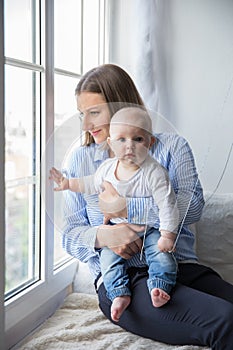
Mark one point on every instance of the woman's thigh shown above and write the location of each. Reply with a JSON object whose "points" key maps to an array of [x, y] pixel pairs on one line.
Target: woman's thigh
{"points": [[190, 317], [205, 279]]}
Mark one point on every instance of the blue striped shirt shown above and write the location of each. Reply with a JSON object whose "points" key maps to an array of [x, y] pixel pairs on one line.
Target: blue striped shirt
{"points": [[82, 216]]}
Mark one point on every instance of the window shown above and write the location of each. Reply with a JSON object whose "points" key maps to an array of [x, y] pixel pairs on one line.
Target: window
{"points": [[22, 116], [78, 47], [2, 175], [22, 144], [48, 46]]}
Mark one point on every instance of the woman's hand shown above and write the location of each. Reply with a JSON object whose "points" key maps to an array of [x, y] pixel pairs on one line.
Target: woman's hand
{"points": [[111, 203], [122, 238]]}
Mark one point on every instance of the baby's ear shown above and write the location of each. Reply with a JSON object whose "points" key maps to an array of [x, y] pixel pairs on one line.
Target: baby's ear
{"points": [[152, 140]]}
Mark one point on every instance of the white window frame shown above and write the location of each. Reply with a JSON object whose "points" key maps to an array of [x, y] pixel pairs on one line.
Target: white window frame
{"points": [[2, 183], [23, 312]]}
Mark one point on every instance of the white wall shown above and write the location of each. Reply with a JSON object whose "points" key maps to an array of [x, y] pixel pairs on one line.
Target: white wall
{"points": [[189, 50]]}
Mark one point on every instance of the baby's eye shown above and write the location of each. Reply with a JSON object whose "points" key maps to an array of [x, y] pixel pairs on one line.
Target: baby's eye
{"points": [[138, 139], [81, 115], [121, 139]]}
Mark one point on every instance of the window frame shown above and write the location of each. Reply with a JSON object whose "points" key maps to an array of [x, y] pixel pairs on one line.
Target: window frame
{"points": [[2, 181], [43, 297]]}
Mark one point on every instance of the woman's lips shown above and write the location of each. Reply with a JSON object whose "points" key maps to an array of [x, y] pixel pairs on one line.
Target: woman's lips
{"points": [[94, 133]]}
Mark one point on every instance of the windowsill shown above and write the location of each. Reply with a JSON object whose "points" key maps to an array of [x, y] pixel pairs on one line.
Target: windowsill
{"points": [[32, 307]]}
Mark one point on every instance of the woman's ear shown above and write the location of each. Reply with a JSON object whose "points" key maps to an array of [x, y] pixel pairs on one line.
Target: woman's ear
{"points": [[109, 141]]}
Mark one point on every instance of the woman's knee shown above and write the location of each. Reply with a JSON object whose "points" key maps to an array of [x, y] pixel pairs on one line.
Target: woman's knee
{"points": [[222, 330], [226, 312]]}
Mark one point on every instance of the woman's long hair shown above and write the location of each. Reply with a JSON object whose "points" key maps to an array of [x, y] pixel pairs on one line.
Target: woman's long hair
{"points": [[114, 84]]}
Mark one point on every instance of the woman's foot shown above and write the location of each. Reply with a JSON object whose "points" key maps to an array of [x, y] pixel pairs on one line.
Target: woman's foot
{"points": [[159, 297], [119, 305]]}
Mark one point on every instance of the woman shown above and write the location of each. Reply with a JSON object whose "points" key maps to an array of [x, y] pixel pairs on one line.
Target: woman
{"points": [[201, 308]]}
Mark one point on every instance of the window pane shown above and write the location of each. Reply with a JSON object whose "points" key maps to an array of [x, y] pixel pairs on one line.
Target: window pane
{"points": [[21, 30], [90, 34], [64, 98], [67, 35], [21, 238], [67, 133], [21, 175]]}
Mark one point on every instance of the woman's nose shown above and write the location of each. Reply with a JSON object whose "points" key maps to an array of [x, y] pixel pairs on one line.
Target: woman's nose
{"points": [[86, 123]]}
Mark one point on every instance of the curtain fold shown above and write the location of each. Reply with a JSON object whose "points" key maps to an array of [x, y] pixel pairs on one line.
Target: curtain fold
{"points": [[146, 54]]}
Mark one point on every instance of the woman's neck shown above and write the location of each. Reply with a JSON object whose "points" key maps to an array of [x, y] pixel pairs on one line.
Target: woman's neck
{"points": [[111, 154]]}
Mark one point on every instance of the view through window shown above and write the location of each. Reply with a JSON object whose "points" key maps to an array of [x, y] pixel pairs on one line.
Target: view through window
{"points": [[77, 46], [22, 147]]}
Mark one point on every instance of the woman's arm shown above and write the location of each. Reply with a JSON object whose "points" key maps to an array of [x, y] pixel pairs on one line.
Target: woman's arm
{"points": [[122, 238], [81, 240], [184, 177], [83, 232]]}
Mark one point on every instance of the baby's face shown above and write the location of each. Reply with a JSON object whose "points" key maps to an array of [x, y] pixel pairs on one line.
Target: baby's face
{"points": [[130, 144]]}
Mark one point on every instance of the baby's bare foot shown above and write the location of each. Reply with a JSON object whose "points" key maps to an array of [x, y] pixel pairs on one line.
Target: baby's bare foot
{"points": [[119, 305], [159, 297]]}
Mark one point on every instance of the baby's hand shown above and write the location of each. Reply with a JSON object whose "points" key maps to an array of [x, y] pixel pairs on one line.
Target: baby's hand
{"points": [[165, 244], [59, 179], [106, 220]]}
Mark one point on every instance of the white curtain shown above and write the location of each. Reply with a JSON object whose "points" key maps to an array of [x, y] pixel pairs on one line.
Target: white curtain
{"points": [[146, 53], [180, 55]]}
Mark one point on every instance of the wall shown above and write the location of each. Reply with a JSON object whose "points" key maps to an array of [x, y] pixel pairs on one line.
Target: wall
{"points": [[188, 47]]}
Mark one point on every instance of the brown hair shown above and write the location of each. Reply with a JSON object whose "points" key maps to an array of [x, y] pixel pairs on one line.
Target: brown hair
{"points": [[114, 84]]}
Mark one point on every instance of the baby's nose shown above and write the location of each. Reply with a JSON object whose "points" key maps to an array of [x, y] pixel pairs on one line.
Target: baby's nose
{"points": [[130, 143]]}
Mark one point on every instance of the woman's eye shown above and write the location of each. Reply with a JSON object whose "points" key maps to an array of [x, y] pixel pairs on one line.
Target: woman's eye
{"points": [[94, 113]]}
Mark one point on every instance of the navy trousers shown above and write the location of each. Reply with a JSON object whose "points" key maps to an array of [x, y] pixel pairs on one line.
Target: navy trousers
{"points": [[200, 311]]}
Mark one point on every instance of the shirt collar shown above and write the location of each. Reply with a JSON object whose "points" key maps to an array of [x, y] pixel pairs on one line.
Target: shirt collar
{"points": [[101, 152]]}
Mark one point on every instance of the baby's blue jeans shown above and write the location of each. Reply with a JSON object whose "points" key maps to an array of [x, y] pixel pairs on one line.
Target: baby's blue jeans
{"points": [[162, 268]]}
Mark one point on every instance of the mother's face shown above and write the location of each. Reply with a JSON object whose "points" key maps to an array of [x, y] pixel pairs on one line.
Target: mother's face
{"points": [[95, 115]]}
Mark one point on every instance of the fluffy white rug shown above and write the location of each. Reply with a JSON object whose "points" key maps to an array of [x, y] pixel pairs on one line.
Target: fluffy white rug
{"points": [[80, 325]]}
